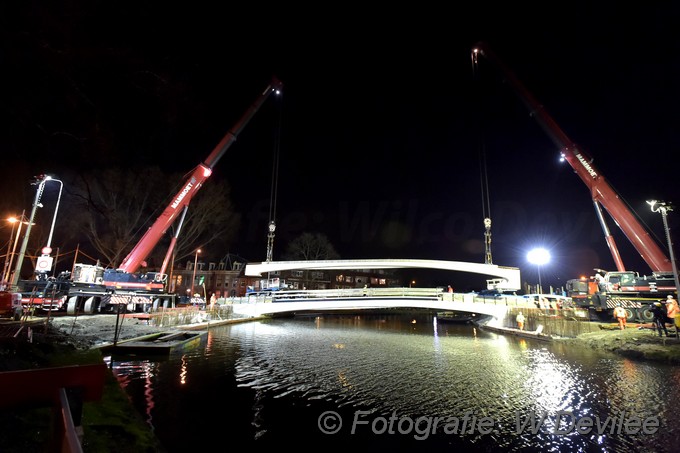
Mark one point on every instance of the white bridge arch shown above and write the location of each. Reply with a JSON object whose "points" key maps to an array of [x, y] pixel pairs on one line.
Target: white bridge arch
{"points": [[510, 277]]}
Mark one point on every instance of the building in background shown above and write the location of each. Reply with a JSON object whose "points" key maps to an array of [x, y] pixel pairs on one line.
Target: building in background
{"points": [[227, 279]]}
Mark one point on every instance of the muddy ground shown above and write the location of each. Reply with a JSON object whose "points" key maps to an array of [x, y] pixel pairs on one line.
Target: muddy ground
{"points": [[637, 341], [88, 331]]}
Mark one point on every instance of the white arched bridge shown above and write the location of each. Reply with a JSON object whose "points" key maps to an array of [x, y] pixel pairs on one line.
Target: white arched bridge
{"points": [[508, 277], [331, 300], [352, 300]]}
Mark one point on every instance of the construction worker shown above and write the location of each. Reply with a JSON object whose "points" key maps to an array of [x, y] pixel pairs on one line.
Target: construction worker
{"points": [[659, 317], [673, 313], [520, 321], [620, 315]]}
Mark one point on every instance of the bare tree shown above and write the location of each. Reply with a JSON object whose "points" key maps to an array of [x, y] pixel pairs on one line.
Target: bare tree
{"points": [[211, 220], [115, 207], [310, 246], [110, 207]]}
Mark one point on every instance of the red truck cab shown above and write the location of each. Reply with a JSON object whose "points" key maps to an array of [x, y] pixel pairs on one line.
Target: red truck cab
{"points": [[10, 305]]}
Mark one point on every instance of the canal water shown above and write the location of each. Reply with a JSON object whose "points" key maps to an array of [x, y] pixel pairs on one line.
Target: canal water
{"points": [[398, 382]]}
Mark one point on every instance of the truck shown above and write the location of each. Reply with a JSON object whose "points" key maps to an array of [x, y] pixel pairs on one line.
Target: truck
{"points": [[605, 289], [90, 289], [10, 305], [267, 286]]}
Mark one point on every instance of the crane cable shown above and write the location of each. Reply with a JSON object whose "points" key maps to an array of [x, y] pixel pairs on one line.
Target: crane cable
{"points": [[275, 172], [483, 173], [273, 195]]}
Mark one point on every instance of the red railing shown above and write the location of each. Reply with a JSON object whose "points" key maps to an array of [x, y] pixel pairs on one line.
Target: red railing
{"points": [[63, 388]]}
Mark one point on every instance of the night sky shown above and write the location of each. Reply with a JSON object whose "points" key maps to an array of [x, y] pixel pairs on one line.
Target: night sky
{"points": [[382, 118]]}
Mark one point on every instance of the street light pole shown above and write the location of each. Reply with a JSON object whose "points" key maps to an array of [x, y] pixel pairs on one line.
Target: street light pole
{"points": [[56, 209], [193, 278], [663, 208], [44, 263]]}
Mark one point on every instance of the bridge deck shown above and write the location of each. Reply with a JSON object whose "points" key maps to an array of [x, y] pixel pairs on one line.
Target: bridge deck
{"points": [[277, 302]]}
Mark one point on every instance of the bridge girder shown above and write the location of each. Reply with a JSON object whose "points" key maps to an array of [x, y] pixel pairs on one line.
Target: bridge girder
{"points": [[511, 275], [367, 303]]}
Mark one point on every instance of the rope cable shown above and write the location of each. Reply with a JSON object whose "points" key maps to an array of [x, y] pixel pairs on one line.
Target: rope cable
{"points": [[275, 166], [483, 170]]}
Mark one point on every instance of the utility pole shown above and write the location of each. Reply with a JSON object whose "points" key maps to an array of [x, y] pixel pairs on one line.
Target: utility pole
{"points": [[24, 243], [9, 259]]}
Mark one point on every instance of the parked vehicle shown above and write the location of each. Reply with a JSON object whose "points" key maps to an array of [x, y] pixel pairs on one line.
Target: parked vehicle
{"points": [[10, 305]]}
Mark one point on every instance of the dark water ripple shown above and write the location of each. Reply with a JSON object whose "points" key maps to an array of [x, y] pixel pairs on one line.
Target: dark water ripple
{"points": [[276, 378]]}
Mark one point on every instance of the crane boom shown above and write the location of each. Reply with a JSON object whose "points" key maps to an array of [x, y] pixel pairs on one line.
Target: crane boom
{"points": [[600, 190], [193, 183], [91, 288]]}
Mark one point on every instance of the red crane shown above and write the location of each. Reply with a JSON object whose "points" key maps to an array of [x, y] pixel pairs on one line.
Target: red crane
{"points": [[601, 192], [91, 288], [193, 183]]}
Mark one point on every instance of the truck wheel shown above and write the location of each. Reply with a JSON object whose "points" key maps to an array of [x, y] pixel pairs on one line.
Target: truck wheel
{"points": [[645, 314], [72, 305], [91, 305], [631, 314], [17, 314]]}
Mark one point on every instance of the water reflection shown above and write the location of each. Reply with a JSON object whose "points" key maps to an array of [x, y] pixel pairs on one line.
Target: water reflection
{"points": [[271, 380]]}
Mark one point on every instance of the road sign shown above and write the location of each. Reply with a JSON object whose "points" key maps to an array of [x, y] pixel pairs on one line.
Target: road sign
{"points": [[44, 264]]}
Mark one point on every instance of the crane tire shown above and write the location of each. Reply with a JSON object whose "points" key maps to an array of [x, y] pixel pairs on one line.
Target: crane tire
{"points": [[91, 305], [645, 314], [72, 305]]}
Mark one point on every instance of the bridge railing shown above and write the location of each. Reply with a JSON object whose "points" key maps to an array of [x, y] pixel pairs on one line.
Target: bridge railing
{"points": [[400, 292], [420, 293]]}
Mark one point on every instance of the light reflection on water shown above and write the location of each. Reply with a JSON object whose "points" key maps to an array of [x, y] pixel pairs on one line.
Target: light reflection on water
{"points": [[271, 380]]}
